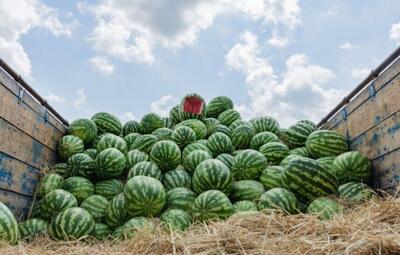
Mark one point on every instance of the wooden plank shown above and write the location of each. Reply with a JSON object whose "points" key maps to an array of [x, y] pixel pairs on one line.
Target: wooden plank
{"points": [[17, 176], [19, 145], [25, 119], [30, 101], [387, 171], [18, 204]]}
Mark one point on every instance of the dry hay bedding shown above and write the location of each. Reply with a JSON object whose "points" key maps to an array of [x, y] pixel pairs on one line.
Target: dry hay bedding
{"points": [[369, 228]]}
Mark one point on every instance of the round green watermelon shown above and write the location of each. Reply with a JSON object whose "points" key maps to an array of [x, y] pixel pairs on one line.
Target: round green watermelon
{"points": [[56, 201], [101, 231], [145, 168], [176, 219], [163, 133], [248, 165], [272, 177], [239, 122], [299, 132], [212, 204], [219, 143], [50, 182], [228, 117], [352, 166], [327, 163], [81, 164], [32, 228], [96, 205], [226, 158], [110, 163], [180, 198], [288, 158], [177, 178], [80, 187], [196, 125], [130, 127], [111, 141], [275, 152], [247, 190], [144, 143], [175, 114], [262, 138], [326, 143], [183, 136], [211, 125], [166, 154], [151, 122], [279, 199], [265, 124], [91, 152], [300, 151], [116, 214], [109, 188], [132, 226], [8, 226], [325, 208], [85, 129], [355, 192], [195, 158], [107, 123], [60, 169], [218, 105], [193, 147], [135, 156], [241, 136], [70, 145], [130, 139], [245, 206], [168, 123]]}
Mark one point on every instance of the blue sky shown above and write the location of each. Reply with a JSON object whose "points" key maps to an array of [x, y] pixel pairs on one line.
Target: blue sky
{"points": [[288, 59]]}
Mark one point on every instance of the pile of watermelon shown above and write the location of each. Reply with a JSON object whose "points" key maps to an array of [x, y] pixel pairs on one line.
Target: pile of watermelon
{"points": [[203, 162]]}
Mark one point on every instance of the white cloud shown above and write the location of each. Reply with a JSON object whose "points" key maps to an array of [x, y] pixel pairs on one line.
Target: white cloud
{"points": [[52, 98], [395, 33], [360, 73], [163, 105], [296, 93], [132, 30], [80, 98], [278, 41], [127, 116], [102, 65], [18, 17], [348, 46]]}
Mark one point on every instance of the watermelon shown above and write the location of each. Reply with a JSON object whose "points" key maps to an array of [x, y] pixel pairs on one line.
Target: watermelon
{"points": [[193, 147], [151, 122], [212, 204], [248, 165], [37, 208], [183, 136], [218, 105], [144, 143], [236, 152], [308, 180], [175, 114], [180, 198], [116, 214], [242, 135], [247, 190], [130, 139], [352, 166], [163, 133], [284, 137], [107, 123], [132, 226], [196, 125], [177, 178], [195, 158], [60, 169], [325, 208], [71, 224], [275, 152], [70, 145], [81, 164], [262, 138], [8, 225], [245, 206], [85, 129], [176, 219], [91, 152], [56, 201], [80, 187], [145, 168], [225, 158], [135, 156], [202, 141], [168, 123], [130, 127], [300, 151], [32, 228], [326, 143], [272, 177], [238, 123], [355, 192], [101, 231], [299, 132], [50, 182], [219, 143], [108, 188], [211, 125], [223, 129], [288, 158], [96, 205], [327, 163], [265, 124], [192, 106], [111, 141], [228, 117], [110, 163], [279, 198], [144, 196], [166, 154]]}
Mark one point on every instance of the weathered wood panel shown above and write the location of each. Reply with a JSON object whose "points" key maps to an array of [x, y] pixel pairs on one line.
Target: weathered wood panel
{"points": [[387, 171], [18, 204]]}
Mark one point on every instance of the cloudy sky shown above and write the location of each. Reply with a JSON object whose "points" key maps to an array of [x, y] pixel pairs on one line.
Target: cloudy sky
{"points": [[284, 58]]}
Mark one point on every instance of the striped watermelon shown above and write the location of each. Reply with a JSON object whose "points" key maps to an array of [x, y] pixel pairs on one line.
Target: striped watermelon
{"points": [[245, 206], [168, 123], [144, 196], [248, 165], [176, 219], [284, 137], [70, 145], [223, 129], [218, 105], [91, 152], [32, 228], [144, 143], [145, 168], [211, 125], [56, 201], [242, 135], [192, 106], [197, 126], [300, 151], [108, 188], [85, 129], [107, 123], [236, 152], [262, 138], [299, 132], [247, 190], [132, 226], [151, 122], [327, 163], [275, 152], [135, 156], [212, 204], [50, 182], [130, 139], [81, 164], [163, 133], [183, 136], [80, 187], [195, 158], [212, 174], [265, 123], [202, 141], [228, 117], [238, 123], [175, 114], [193, 147], [111, 141], [130, 127], [280, 199], [177, 178], [326, 143], [288, 158], [225, 158], [272, 177], [219, 143], [166, 154], [110, 163], [180, 198], [355, 192], [352, 166], [8, 225], [307, 179], [101, 231], [325, 208], [60, 169], [96, 205], [116, 214], [71, 224], [37, 208]]}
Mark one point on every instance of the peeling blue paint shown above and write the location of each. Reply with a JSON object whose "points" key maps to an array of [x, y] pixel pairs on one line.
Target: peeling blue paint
{"points": [[374, 139], [392, 130], [377, 120], [356, 142], [37, 149]]}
